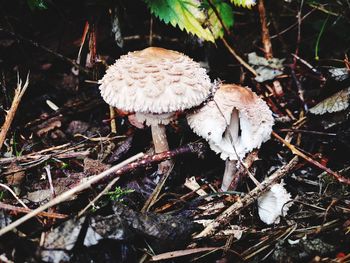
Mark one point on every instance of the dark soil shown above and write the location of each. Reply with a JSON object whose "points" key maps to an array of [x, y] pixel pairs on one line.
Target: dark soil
{"points": [[75, 141]]}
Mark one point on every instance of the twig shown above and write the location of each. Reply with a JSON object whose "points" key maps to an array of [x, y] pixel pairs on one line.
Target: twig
{"points": [[181, 253], [248, 199], [49, 177], [194, 148], [153, 197], [43, 158], [227, 45], [113, 122], [307, 131], [13, 194], [265, 35], [66, 195], [240, 60], [103, 192], [27, 210], [150, 41], [37, 45], [300, 88], [19, 92], [299, 34], [297, 152], [216, 12], [291, 26], [126, 166]]}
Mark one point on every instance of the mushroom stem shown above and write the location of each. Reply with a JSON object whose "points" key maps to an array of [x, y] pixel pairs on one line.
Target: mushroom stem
{"points": [[230, 170], [160, 145]]}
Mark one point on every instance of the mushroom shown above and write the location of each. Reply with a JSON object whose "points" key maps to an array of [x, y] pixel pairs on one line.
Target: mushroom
{"points": [[155, 83], [234, 123]]}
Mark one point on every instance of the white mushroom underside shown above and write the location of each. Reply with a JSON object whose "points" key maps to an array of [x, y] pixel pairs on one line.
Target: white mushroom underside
{"points": [[154, 119], [225, 136], [274, 203]]}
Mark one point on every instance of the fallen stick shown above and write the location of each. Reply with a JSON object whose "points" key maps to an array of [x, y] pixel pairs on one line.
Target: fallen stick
{"points": [[66, 195], [227, 45], [136, 161], [297, 152], [23, 210], [19, 92], [37, 45], [196, 148], [225, 218], [181, 253], [265, 35]]}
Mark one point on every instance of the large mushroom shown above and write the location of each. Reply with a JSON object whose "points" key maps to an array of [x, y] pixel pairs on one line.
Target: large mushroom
{"points": [[155, 83], [234, 123]]}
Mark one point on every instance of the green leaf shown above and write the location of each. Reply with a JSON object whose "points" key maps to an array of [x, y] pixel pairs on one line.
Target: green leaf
{"points": [[244, 3], [226, 14], [186, 14], [37, 4]]}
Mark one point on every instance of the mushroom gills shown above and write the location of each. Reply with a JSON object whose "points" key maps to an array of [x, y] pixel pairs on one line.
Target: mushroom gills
{"points": [[233, 131]]}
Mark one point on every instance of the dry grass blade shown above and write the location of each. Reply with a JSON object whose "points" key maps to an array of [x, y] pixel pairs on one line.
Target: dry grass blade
{"points": [[13, 194], [153, 197], [19, 92], [181, 253]]}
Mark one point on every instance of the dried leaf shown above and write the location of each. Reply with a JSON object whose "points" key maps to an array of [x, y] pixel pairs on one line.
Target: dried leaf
{"points": [[77, 127], [339, 74], [267, 69], [92, 167], [337, 102], [14, 178], [60, 240], [48, 125]]}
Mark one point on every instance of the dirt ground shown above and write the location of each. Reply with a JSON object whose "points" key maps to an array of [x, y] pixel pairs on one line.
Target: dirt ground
{"points": [[62, 135]]}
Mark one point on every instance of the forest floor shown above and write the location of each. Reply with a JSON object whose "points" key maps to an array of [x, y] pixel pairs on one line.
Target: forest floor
{"points": [[53, 208]]}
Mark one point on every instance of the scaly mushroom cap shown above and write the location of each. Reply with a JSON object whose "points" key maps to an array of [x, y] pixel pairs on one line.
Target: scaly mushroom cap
{"points": [[234, 123], [155, 81]]}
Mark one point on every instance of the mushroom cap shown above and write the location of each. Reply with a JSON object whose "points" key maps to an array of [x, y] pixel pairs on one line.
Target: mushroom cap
{"points": [[274, 203], [216, 121], [155, 80]]}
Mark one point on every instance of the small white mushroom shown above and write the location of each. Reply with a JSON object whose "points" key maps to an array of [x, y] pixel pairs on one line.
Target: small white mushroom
{"points": [[274, 204], [234, 123], [153, 83]]}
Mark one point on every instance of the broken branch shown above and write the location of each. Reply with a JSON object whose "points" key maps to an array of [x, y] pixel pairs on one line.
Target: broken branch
{"points": [[297, 152], [19, 92], [248, 199]]}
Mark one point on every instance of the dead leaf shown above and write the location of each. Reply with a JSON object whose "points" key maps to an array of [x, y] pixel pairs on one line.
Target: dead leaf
{"points": [[267, 69], [92, 167], [48, 125], [339, 74], [76, 127], [337, 102], [15, 178]]}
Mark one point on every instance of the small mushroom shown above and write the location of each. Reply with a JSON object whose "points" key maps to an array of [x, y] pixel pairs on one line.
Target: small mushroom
{"points": [[234, 123], [154, 83]]}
